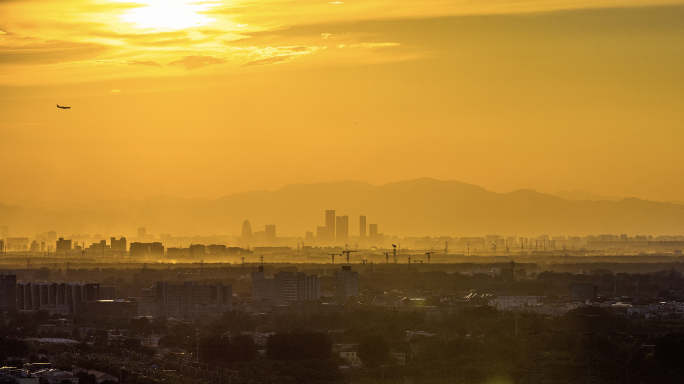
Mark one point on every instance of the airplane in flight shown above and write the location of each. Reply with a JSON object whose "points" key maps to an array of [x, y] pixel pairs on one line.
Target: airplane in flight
{"points": [[58, 106]]}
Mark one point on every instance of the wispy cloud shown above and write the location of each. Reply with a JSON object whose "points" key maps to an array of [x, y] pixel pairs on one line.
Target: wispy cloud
{"points": [[194, 62], [115, 91]]}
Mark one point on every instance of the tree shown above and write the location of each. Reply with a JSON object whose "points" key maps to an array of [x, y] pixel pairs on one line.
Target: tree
{"points": [[373, 351], [669, 351], [299, 345]]}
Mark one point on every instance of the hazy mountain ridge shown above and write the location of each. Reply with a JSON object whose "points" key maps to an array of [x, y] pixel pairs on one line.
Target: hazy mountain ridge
{"points": [[418, 207]]}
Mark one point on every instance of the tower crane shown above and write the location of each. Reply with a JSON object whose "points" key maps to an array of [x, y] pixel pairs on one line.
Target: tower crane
{"points": [[394, 252], [428, 255], [387, 257], [348, 252], [333, 256]]}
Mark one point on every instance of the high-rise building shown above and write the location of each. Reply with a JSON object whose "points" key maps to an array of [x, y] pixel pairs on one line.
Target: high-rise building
{"points": [[246, 230], [321, 234], [146, 249], [346, 283], [51, 237], [192, 300], [362, 227], [118, 245], [285, 287], [263, 288], [35, 247], [8, 292], [342, 229], [330, 226], [270, 231], [63, 246], [309, 287], [142, 234], [373, 232]]}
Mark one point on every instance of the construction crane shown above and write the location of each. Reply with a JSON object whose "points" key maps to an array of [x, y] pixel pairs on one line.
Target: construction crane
{"points": [[348, 252], [428, 255], [394, 253], [386, 256], [333, 256]]}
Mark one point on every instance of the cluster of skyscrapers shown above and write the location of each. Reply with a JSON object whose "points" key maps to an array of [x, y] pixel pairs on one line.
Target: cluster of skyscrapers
{"points": [[336, 231]]}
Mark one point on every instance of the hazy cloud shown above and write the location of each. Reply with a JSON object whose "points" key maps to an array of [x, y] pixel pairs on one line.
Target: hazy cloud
{"points": [[115, 91], [270, 60], [196, 61]]}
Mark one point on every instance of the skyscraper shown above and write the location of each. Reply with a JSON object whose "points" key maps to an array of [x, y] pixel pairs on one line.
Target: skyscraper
{"points": [[142, 234], [270, 231], [346, 283], [330, 225], [362, 227], [246, 229], [372, 231], [342, 229], [51, 237]]}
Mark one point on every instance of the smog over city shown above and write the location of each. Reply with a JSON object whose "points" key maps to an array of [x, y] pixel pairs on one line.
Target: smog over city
{"points": [[392, 192]]}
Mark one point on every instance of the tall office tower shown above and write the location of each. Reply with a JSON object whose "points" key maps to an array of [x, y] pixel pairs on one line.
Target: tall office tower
{"points": [[362, 227], [346, 283], [5, 230], [63, 246], [246, 229], [373, 232], [321, 233], [142, 233], [330, 226], [35, 247], [8, 292], [51, 237], [270, 231], [342, 229]]}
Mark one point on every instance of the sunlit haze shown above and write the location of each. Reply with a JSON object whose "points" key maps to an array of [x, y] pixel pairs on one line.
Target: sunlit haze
{"points": [[205, 99]]}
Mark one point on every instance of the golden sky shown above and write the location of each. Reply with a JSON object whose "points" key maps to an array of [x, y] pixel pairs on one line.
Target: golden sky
{"points": [[207, 98]]}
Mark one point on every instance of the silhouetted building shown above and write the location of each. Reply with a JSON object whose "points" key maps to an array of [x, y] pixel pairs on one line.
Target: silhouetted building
{"points": [[118, 245], [342, 229], [192, 300], [55, 298], [330, 226], [285, 287], [362, 227], [146, 249], [217, 249], [8, 292], [262, 287], [373, 232], [63, 246], [198, 250], [142, 233], [246, 230], [346, 283], [270, 231], [35, 247], [51, 237]]}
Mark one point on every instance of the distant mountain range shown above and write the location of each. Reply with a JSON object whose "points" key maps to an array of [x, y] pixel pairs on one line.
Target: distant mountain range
{"points": [[418, 207]]}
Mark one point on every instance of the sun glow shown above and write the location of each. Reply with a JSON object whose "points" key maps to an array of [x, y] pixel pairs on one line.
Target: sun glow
{"points": [[169, 14]]}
